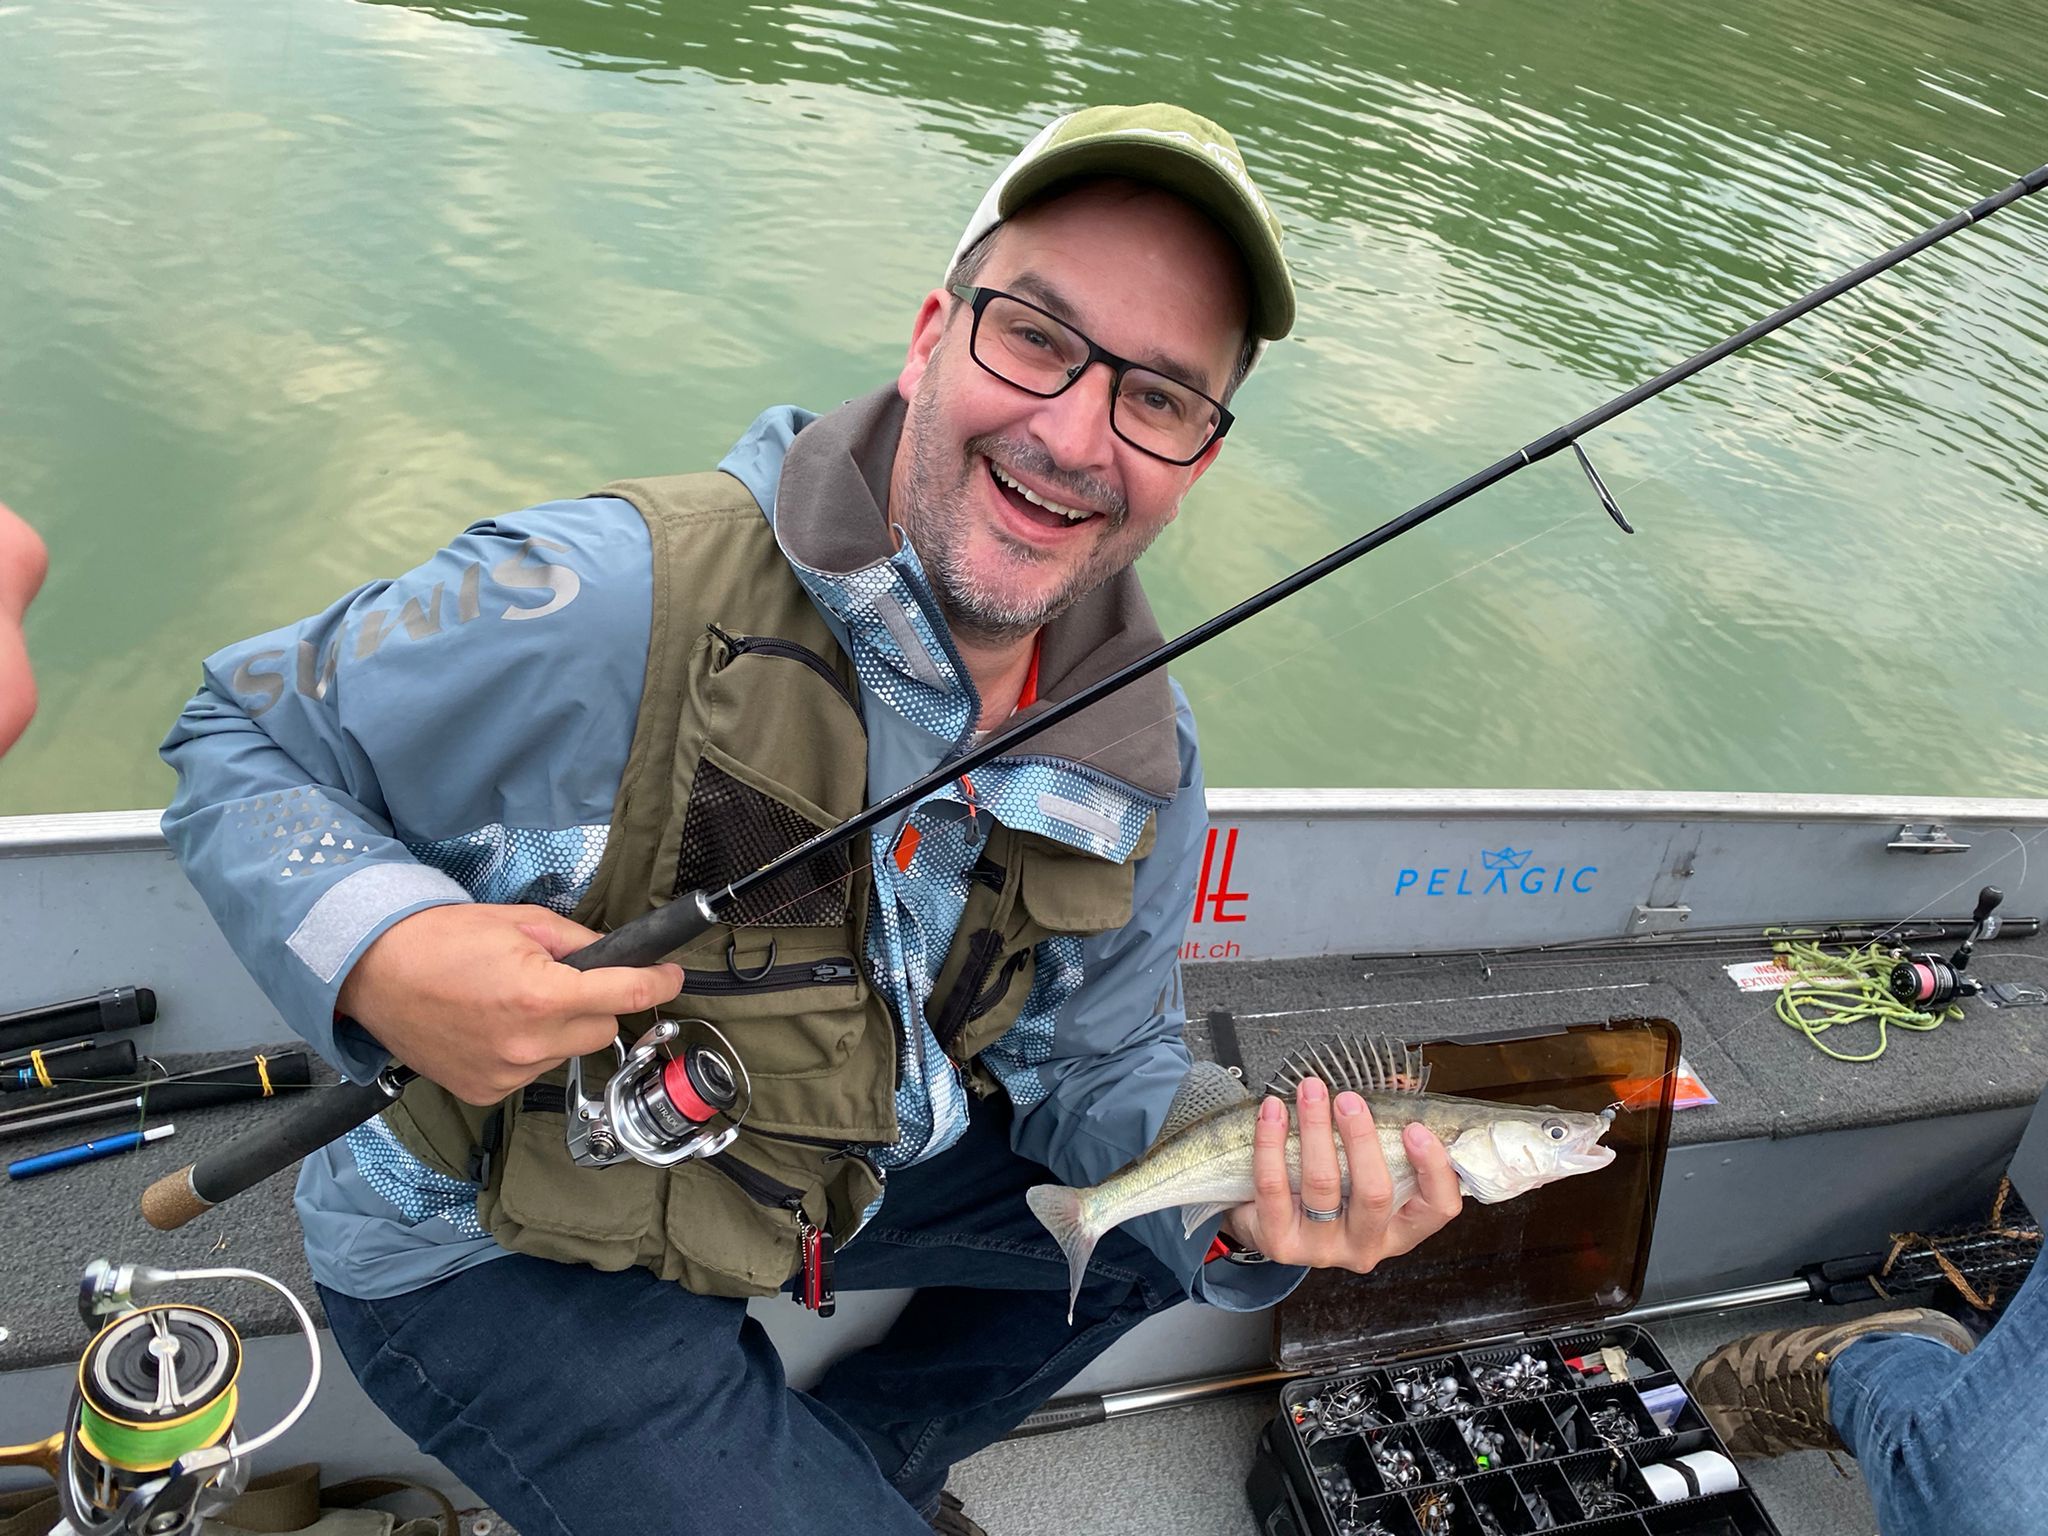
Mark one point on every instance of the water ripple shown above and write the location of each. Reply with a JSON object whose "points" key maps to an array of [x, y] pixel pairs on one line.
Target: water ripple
{"points": [[292, 294]]}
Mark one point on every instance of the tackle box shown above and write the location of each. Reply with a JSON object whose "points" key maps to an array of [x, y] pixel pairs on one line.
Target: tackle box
{"points": [[1475, 1387]]}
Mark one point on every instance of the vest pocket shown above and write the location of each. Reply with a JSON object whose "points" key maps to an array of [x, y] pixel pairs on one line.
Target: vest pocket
{"points": [[547, 1206], [801, 1016], [733, 827], [735, 1222]]}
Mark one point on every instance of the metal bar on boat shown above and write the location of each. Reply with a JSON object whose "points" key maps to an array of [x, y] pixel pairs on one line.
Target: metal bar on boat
{"points": [[1721, 1301], [649, 937], [1100, 1408]]}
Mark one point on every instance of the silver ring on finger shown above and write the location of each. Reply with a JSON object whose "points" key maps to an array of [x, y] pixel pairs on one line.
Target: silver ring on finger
{"points": [[1315, 1215]]}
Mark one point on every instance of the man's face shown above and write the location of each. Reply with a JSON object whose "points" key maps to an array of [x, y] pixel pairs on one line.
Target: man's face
{"points": [[22, 563], [1144, 275]]}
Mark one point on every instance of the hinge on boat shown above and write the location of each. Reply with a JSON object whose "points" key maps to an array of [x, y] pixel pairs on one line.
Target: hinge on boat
{"points": [[1925, 837], [1658, 919]]}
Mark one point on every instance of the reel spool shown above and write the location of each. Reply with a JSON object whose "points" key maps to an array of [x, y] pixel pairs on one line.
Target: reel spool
{"points": [[1929, 983], [157, 1388], [679, 1093]]}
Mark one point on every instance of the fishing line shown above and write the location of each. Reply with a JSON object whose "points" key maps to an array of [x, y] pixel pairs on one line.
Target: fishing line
{"points": [[1323, 638], [1424, 1002], [1787, 407]]}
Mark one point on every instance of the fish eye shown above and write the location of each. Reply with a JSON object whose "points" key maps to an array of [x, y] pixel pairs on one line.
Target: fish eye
{"points": [[1556, 1130]]}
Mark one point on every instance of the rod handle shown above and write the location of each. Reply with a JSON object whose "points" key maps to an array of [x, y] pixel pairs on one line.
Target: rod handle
{"points": [[81, 1061], [292, 1133], [333, 1112], [651, 936]]}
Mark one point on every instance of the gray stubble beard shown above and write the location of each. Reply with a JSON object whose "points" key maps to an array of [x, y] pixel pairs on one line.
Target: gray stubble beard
{"points": [[937, 515]]}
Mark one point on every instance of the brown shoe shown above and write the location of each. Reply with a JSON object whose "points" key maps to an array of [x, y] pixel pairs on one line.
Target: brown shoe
{"points": [[1768, 1393], [951, 1518]]}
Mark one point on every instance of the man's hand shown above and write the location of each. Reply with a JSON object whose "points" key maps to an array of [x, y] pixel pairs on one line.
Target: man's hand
{"points": [[474, 997], [1370, 1228], [23, 563]]}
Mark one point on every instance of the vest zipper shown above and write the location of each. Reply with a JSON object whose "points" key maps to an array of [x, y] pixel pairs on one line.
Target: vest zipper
{"points": [[737, 646], [780, 978], [814, 1243], [982, 949], [759, 1187], [1001, 987], [837, 1146]]}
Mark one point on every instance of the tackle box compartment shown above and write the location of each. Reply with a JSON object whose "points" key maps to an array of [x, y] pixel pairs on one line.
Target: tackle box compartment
{"points": [[1475, 1387]]}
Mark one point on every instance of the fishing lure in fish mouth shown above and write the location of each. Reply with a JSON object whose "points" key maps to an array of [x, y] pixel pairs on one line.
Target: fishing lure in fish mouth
{"points": [[1202, 1159]]}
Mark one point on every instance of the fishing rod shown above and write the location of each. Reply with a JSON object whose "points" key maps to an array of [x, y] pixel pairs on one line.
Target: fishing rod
{"points": [[634, 1103]]}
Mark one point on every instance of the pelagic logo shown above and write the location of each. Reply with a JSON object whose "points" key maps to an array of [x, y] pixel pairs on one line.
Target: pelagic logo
{"points": [[1504, 871]]}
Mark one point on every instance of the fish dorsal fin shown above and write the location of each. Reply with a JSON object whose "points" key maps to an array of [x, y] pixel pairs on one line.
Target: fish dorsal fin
{"points": [[1208, 1086], [1368, 1064]]}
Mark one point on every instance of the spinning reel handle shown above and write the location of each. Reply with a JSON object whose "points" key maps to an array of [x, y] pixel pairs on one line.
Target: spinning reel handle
{"points": [[1987, 903]]}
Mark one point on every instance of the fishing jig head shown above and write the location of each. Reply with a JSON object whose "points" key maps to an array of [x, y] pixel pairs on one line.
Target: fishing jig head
{"points": [[679, 1093]]}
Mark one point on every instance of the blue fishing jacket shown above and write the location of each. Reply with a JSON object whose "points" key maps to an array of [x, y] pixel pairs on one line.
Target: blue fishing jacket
{"points": [[459, 733]]}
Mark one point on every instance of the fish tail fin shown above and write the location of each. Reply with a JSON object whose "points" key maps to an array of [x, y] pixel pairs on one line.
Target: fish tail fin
{"points": [[1066, 1218]]}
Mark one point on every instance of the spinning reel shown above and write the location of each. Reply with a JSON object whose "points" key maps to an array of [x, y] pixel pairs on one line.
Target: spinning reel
{"points": [[679, 1093], [1930, 983], [149, 1444]]}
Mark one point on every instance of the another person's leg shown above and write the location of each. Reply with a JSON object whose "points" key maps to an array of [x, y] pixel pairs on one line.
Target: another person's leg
{"points": [[599, 1404], [1952, 1443], [1767, 1394], [1940, 1430], [986, 1340]]}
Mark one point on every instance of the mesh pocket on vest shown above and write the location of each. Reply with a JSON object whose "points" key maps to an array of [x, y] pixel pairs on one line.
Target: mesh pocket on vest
{"points": [[731, 829]]}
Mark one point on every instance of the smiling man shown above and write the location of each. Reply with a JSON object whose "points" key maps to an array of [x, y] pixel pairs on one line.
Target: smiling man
{"points": [[405, 810]]}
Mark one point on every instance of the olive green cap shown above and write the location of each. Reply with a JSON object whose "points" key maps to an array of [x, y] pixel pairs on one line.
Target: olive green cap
{"points": [[1169, 147]]}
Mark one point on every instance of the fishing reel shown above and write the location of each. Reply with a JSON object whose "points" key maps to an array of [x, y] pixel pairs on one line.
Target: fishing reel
{"points": [[1928, 982], [679, 1093], [149, 1445]]}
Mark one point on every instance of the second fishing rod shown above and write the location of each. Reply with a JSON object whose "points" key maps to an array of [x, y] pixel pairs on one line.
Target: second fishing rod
{"points": [[674, 1097]]}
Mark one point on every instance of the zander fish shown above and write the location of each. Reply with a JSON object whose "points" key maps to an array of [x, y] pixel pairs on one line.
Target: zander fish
{"points": [[1202, 1159]]}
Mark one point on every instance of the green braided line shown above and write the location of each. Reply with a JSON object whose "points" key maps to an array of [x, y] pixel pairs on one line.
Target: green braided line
{"points": [[151, 1449], [1865, 995]]}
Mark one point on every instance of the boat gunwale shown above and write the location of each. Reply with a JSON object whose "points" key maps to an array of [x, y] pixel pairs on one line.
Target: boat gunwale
{"points": [[141, 831]]}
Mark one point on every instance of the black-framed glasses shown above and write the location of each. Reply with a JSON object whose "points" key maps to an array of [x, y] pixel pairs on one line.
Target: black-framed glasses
{"points": [[1039, 353]]}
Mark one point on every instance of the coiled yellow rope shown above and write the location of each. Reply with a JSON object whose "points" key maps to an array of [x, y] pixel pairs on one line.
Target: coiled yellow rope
{"points": [[1822, 999]]}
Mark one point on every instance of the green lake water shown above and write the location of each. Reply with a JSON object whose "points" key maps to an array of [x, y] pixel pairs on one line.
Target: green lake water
{"points": [[291, 292]]}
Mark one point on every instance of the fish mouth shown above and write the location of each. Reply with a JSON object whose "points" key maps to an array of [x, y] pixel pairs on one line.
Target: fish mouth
{"points": [[1587, 1156], [1588, 1159]]}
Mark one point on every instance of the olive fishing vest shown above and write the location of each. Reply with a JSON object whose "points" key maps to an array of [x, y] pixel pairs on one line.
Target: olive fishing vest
{"points": [[749, 739]]}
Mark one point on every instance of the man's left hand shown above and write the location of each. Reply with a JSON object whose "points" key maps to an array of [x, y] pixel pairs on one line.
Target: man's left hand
{"points": [[1274, 1221]]}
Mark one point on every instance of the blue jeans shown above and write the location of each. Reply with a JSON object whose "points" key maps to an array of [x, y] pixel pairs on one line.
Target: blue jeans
{"points": [[1952, 1444], [581, 1403]]}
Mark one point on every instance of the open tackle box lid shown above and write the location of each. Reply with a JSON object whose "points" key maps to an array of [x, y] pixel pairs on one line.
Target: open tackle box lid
{"points": [[1570, 1253]]}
